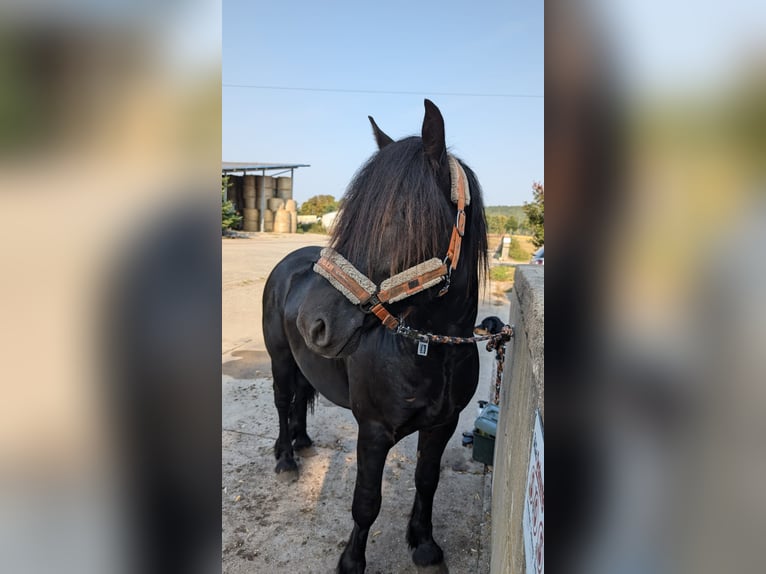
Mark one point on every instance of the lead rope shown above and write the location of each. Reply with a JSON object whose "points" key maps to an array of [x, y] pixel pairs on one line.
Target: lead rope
{"points": [[499, 348], [405, 331], [496, 342]]}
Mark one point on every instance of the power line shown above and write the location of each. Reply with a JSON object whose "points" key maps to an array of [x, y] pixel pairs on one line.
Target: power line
{"points": [[390, 92]]}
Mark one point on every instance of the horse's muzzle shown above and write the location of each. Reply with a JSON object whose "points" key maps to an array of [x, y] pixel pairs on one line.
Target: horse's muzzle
{"points": [[331, 333]]}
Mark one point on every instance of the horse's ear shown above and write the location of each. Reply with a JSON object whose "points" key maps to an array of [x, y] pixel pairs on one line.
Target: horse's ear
{"points": [[434, 144], [380, 137]]}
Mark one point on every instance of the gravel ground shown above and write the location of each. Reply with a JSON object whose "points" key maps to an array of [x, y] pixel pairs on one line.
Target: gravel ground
{"points": [[302, 527]]}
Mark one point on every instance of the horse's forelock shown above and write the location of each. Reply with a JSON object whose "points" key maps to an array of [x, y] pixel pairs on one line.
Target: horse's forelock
{"points": [[394, 212]]}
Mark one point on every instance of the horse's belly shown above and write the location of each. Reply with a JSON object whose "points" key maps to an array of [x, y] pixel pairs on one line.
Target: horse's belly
{"points": [[327, 376]]}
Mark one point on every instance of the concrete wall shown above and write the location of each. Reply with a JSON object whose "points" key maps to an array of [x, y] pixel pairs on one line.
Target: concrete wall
{"points": [[521, 394]]}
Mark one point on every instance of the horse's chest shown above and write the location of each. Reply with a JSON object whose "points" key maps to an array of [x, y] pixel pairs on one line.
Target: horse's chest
{"points": [[412, 391]]}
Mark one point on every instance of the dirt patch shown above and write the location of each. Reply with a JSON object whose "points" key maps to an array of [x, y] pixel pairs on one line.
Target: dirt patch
{"points": [[247, 364], [302, 527]]}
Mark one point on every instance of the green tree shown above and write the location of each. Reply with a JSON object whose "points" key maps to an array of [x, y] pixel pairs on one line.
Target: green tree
{"points": [[229, 216], [511, 224], [496, 223], [318, 205], [536, 214]]}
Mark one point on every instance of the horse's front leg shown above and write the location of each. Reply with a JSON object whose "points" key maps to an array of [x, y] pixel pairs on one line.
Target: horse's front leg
{"points": [[284, 392], [373, 444], [431, 444], [304, 394]]}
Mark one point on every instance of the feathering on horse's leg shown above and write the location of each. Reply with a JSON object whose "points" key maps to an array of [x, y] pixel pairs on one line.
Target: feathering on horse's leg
{"points": [[431, 445]]}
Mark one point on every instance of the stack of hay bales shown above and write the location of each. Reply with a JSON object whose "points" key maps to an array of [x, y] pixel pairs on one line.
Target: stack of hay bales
{"points": [[292, 209], [281, 206], [251, 217], [264, 188], [284, 189], [276, 193]]}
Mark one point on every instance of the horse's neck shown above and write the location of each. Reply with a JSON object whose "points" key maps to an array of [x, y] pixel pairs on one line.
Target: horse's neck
{"points": [[456, 311]]}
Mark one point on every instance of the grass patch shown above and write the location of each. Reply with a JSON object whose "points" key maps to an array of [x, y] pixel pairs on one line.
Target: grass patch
{"points": [[518, 251], [502, 273]]}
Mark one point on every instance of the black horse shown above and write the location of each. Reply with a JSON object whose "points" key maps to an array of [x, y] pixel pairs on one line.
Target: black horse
{"points": [[399, 211]]}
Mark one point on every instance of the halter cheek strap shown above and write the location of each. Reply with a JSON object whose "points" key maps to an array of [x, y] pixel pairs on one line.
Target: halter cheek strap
{"points": [[360, 290], [461, 196]]}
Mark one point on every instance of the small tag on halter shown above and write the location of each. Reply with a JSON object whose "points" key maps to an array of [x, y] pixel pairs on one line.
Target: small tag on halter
{"points": [[422, 348]]}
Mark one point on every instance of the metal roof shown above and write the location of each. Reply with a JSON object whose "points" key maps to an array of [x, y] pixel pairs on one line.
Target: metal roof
{"points": [[246, 166]]}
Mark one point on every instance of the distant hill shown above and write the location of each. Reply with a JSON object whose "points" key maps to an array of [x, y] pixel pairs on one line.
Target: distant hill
{"points": [[516, 210]]}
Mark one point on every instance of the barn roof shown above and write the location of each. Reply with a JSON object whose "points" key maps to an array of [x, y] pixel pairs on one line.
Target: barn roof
{"points": [[253, 166]]}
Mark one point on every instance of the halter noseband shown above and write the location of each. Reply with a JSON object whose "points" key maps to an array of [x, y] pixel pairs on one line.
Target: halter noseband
{"points": [[360, 290]]}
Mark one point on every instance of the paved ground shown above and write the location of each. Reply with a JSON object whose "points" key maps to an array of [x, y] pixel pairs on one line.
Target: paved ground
{"points": [[301, 527]]}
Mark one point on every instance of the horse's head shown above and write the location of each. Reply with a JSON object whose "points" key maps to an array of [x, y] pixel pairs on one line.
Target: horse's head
{"points": [[327, 321], [398, 212]]}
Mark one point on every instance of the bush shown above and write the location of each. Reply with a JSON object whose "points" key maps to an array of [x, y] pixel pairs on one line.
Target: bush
{"points": [[536, 214], [318, 205], [230, 219]]}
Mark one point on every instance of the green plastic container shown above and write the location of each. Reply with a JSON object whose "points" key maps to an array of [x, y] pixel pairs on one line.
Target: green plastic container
{"points": [[484, 434]]}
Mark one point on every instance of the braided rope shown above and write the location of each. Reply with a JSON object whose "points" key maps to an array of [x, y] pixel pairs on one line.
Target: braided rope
{"points": [[500, 359], [495, 339]]}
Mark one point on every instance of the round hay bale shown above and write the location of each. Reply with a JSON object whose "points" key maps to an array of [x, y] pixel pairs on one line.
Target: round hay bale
{"points": [[282, 221], [251, 214], [293, 221], [268, 220], [284, 187], [249, 186], [250, 203], [251, 225], [266, 180], [291, 205], [275, 203], [267, 193]]}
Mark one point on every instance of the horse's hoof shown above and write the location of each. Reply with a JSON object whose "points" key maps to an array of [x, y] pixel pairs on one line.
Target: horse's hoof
{"points": [[302, 443], [287, 476], [428, 554], [287, 470], [306, 451]]}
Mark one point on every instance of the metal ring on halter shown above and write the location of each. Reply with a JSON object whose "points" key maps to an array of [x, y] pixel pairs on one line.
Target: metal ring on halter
{"points": [[460, 228], [447, 278]]}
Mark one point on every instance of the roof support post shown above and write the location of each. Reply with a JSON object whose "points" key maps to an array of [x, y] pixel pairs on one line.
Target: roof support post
{"points": [[263, 200]]}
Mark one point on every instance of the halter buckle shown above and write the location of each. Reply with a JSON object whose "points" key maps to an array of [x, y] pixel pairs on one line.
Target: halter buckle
{"points": [[367, 306]]}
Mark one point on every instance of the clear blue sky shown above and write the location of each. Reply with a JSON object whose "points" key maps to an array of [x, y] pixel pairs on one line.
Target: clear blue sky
{"points": [[426, 48]]}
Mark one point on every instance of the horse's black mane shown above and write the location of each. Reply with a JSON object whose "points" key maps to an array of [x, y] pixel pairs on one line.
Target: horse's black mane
{"points": [[396, 190]]}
